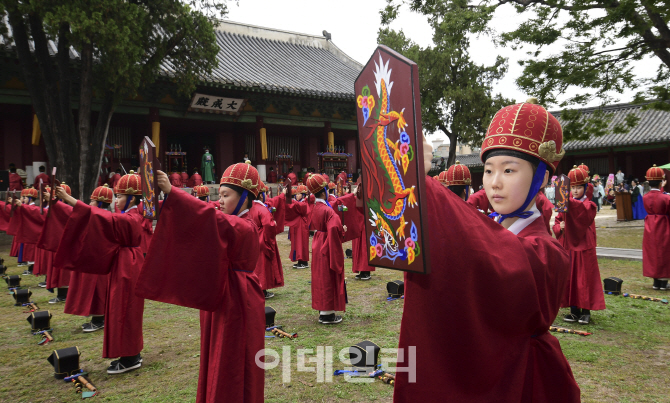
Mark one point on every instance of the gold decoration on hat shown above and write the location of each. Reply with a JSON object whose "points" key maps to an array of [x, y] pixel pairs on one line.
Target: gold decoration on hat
{"points": [[248, 184], [533, 100], [547, 151]]}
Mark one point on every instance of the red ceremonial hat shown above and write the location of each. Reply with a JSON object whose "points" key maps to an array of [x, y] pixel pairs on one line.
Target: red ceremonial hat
{"points": [[201, 191], [315, 183], [103, 194], [578, 176], [585, 168], [456, 175], [655, 174], [527, 128], [294, 189], [66, 188], [129, 184], [31, 192], [24, 192], [302, 189], [244, 176], [332, 185]]}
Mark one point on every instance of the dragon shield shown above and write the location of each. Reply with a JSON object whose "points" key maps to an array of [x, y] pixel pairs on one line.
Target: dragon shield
{"points": [[562, 194], [149, 164], [393, 176]]}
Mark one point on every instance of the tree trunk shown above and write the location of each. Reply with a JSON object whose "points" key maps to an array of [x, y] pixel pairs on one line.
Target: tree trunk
{"points": [[85, 102], [95, 143], [453, 142]]}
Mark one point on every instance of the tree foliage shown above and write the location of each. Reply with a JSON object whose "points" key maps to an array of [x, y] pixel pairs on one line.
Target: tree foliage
{"points": [[121, 46], [456, 92]]}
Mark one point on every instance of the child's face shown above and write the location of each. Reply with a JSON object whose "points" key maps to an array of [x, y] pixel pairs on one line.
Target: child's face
{"points": [[298, 196], [507, 181], [228, 199], [577, 191]]}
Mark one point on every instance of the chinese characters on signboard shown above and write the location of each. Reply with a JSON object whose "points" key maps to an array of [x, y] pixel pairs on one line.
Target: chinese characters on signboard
{"points": [[216, 104]]}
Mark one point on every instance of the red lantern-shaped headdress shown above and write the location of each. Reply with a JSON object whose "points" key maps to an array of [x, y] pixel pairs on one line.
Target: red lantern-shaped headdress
{"points": [[527, 128], [585, 168], [456, 175], [578, 176], [655, 174], [332, 185], [32, 192], [66, 188], [244, 176], [130, 184], [103, 194], [315, 183], [201, 191], [24, 192], [302, 189]]}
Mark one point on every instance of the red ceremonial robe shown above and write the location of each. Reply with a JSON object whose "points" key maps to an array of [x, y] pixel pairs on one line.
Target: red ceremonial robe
{"points": [[184, 178], [294, 179], [4, 216], [15, 182], [342, 176], [268, 267], [480, 201], [502, 350], [97, 241], [584, 289], [354, 219], [175, 179], [297, 219], [28, 222], [195, 180], [546, 209], [327, 259], [45, 179], [272, 176], [656, 239], [88, 292], [114, 180], [279, 203], [216, 275]]}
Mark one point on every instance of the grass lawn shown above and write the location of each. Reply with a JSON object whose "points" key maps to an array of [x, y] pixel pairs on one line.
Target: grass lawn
{"points": [[626, 359]]}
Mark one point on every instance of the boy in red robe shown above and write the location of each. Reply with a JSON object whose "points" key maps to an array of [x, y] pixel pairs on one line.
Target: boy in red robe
{"points": [[99, 242], [184, 178], [332, 197], [201, 192], [656, 238], [15, 182], [291, 176], [195, 179], [576, 230], [457, 179], [220, 281], [42, 178], [268, 267], [26, 254], [297, 219], [328, 289], [88, 292], [354, 218], [272, 175], [501, 350], [175, 179]]}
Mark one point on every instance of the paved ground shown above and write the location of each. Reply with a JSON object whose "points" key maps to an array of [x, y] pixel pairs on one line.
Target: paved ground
{"points": [[620, 254]]}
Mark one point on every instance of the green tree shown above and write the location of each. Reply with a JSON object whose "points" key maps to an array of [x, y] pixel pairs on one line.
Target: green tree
{"points": [[599, 43], [456, 93], [120, 47]]}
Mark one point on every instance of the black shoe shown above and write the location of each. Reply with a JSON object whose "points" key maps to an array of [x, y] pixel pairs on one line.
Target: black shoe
{"points": [[364, 275], [124, 364], [663, 286], [27, 273], [571, 317], [22, 264], [295, 266], [584, 319], [330, 319], [303, 266], [56, 300], [268, 294], [92, 327], [43, 284]]}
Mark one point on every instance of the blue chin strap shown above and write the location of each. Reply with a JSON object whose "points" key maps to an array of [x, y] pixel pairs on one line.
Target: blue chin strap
{"points": [[99, 204], [128, 198], [467, 192], [534, 188], [263, 196], [243, 198]]}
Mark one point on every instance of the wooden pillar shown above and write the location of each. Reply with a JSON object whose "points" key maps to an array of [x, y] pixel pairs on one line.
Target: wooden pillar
{"points": [[611, 161], [329, 138], [154, 118], [258, 157]]}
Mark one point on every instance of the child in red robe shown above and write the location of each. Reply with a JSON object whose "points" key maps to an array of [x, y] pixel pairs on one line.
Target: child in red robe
{"points": [[501, 349], [297, 219], [268, 266], [88, 292], [99, 242], [175, 179], [291, 176], [328, 289], [354, 219], [332, 197], [195, 179], [15, 181], [546, 209], [576, 230], [217, 277], [656, 238], [457, 179]]}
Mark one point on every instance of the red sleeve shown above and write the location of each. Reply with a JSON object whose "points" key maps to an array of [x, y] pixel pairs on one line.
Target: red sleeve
{"points": [[207, 243], [295, 211], [30, 222], [480, 201], [557, 227], [54, 226], [279, 203], [92, 238], [580, 225], [353, 218], [4, 216]]}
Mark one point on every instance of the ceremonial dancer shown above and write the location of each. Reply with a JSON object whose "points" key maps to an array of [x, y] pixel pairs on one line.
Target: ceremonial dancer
{"points": [[47, 245], [332, 187], [656, 238], [201, 192], [576, 230], [291, 176], [457, 179], [195, 179], [502, 350], [175, 179], [297, 219], [354, 217], [99, 242], [328, 288], [42, 178], [220, 281], [88, 292], [27, 251], [15, 182]]}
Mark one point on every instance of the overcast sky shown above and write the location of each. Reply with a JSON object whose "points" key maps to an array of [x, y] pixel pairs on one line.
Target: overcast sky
{"points": [[353, 25]]}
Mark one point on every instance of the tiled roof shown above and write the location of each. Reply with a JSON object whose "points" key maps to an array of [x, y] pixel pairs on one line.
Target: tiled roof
{"points": [[275, 61], [653, 127], [470, 160]]}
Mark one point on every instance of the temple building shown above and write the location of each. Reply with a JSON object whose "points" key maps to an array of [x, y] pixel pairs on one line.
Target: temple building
{"points": [[284, 98]]}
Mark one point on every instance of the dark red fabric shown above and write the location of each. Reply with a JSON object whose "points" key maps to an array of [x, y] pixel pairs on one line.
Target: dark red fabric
{"points": [[294, 179], [29, 252], [184, 178], [480, 201], [298, 222], [54, 226], [584, 289], [327, 260], [114, 180], [45, 179], [279, 203], [546, 209], [268, 267], [175, 179], [354, 219], [272, 176], [4, 216], [217, 255], [507, 289], [14, 251], [656, 239], [342, 176], [99, 242], [15, 182], [29, 223], [195, 180]]}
